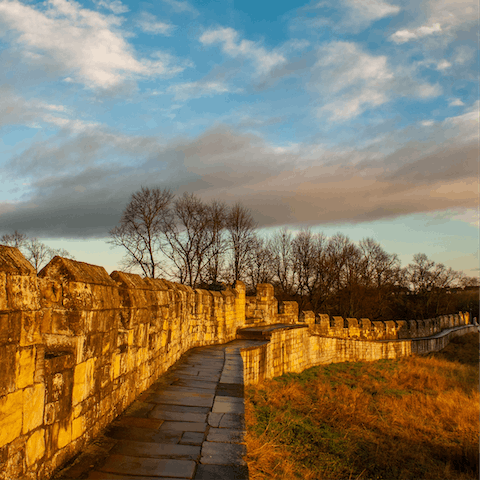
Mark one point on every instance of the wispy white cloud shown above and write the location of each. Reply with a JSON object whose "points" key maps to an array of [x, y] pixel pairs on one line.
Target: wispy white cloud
{"points": [[443, 65], [182, 6], [150, 24], [352, 81], [359, 14], [403, 36], [263, 60], [115, 6], [443, 18], [353, 15], [16, 110], [92, 50], [455, 102], [205, 88]]}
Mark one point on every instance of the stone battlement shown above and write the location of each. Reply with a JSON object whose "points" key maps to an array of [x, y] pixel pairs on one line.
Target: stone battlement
{"points": [[364, 329]]}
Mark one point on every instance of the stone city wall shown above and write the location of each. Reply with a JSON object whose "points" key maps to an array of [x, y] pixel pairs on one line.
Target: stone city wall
{"points": [[296, 349], [77, 346]]}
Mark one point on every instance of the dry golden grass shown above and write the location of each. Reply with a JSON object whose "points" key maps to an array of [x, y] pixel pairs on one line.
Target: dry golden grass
{"points": [[414, 418]]}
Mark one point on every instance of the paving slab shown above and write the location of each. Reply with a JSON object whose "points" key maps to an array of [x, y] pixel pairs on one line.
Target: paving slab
{"points": [[225, 435], [222, 453], [185, 400], [152, 467], [143, 434], [169, 426], [230, 390], [232, 420], [192, 438], [184, 408], [156, 450], [160, 413], [228, 407], [221, 472], [96, 475]]}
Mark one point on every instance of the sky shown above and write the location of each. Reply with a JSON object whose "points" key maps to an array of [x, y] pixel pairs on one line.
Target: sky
{"points": [[351, 116]]}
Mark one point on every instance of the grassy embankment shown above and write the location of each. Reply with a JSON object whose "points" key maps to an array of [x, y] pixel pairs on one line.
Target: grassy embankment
{"points": [[413, 418]]}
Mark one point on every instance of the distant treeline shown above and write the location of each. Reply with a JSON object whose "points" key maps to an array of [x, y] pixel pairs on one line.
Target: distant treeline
{"points": [[208, 244]]}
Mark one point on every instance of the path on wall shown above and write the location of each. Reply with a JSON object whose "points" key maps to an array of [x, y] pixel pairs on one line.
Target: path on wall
{"points": [[188, 425]]}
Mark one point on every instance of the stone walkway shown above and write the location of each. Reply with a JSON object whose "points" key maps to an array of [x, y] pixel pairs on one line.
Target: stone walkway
{"points": [[188, 425]]}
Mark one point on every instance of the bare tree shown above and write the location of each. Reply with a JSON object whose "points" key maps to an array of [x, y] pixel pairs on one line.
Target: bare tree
{"points": [[308, 250], [429, 282], [259, 264], [214, 270], [380, 268], [281, 246], [190, 235], [241, 230], [141, 227], [16, 239]]}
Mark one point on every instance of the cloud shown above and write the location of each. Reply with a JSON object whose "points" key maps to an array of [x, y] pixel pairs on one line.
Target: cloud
{"points": [[81, 183], [16, 110], [341, 15], [352, 81], [181, 7], [443, 18], [149, 24], [92, 50], [443, 65], [455, 102], [403, 36], [362, 13], [204, 88], [116, 6], [263, 60]]}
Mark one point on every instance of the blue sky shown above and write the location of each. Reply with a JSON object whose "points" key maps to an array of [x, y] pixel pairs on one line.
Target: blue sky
{"points": [[352, 116]]}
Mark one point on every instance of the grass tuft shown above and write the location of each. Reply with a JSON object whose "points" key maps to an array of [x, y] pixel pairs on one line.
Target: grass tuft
{"points": [[413, 418]]}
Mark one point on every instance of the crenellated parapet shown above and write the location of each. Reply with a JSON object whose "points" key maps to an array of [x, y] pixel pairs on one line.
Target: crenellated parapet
{"points": [[265, 309], [364, 329]]}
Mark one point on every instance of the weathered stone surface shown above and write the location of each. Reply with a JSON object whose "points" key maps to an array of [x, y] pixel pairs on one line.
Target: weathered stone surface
{"points": [[10, 417], [221, 472], [222, 453], [149, 466], [156, 450], [35, 448]]}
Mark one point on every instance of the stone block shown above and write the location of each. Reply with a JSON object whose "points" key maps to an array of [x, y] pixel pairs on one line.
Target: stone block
{"points": [[77, 296], [3, 291], [22, 293], [379, 331], [30, 333], [35, 447], [10, 326], [390, 329], [50, 293], [11, 407], [25, 367], [62, 433], [7, 369], [33, 407], [83, 381]]}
